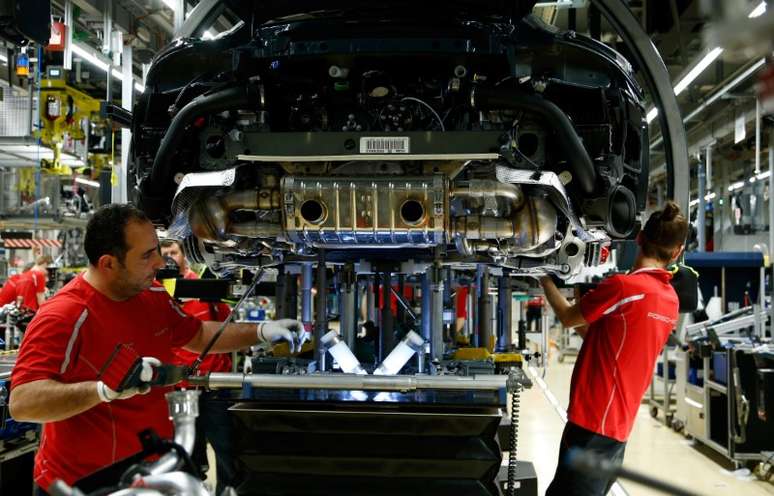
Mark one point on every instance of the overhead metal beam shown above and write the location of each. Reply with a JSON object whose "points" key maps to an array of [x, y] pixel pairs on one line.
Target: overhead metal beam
{"points": [[120, 17], [201, 17], [723, 88], [68, 20]]}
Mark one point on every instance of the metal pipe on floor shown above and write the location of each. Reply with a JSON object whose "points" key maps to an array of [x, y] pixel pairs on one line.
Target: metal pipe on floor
{"points": [[225, 380]]}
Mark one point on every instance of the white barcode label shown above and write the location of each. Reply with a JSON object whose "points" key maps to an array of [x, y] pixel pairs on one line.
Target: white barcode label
{"points": [[384, 144]]}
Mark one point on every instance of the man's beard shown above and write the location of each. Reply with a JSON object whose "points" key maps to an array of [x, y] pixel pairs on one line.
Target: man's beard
{"points": [[129, 288]]}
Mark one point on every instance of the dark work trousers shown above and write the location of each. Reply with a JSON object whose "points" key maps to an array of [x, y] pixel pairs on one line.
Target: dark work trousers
{"points": [[568, 482], [213, 426]]}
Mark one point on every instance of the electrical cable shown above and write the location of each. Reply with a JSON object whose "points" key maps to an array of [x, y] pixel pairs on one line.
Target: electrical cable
{"points": [[417, 100], [513, 440]]}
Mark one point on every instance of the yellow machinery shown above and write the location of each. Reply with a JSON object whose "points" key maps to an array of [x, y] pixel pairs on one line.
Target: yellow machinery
{"points": [[62, 112], [502, 361]]}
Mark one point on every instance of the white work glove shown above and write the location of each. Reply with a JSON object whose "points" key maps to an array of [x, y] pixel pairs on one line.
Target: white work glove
{"points": [[107, 395], [281, 330]]}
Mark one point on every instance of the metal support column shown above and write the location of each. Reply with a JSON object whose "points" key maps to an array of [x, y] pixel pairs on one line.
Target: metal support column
{"points": [[118, 191], [485, 313], [348, 316], [436, 313], [287, 295], [306, 293], [321, 311], [107, 40], [69, 26], [447, 288], [370, 289], [475, 315], [426, 306], [771, 228], [701, 213], [757, 136], [387, 327], [178, 15], [504, 312]]}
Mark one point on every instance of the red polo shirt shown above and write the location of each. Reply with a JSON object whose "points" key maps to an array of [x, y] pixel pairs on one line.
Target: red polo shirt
{"points": [[8, 293], [461, 302], [216, 312], [69, 341], [630, 318], [29, 285]]}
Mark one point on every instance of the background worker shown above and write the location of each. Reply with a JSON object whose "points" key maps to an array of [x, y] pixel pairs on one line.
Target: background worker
{"points": [[31, 286], [8, 291], [58, 376], [213, 424], [629, 319]]}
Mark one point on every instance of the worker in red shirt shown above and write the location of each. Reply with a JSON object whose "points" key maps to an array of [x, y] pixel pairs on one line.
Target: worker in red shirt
{"points": [[57, 379], [31, 286], [8, 291], [213, 424], [625, 322]]}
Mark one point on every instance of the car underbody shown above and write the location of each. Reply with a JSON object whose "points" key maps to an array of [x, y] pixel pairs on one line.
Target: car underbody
{"points": [[467, 138]]}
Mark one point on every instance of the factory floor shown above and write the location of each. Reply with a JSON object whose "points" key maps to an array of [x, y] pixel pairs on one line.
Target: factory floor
{"points": [[653, 448]]}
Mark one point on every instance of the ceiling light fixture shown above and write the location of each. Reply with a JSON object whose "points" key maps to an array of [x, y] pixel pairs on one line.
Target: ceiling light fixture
{"points": [[93, 59], [758, 11], [697, 69], [87, 182], [702, 65]]}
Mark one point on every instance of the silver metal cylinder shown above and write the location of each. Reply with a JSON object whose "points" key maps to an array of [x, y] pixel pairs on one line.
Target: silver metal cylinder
{"points": [[225, 380], [183, 410], [348, 317], [436, 310], [306, 293]]}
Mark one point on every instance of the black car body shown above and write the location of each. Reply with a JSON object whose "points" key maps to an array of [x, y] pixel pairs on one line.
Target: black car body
{"points": [[465, 132]]}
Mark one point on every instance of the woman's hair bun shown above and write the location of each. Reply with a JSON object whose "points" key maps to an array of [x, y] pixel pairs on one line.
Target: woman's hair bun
{"points": [[669, 212]]}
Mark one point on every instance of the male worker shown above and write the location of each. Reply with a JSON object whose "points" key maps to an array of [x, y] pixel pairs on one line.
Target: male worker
{"points": [[31, 286], [629, 319], [174, 249], [8, 291], [213, 423], [57, 379]]}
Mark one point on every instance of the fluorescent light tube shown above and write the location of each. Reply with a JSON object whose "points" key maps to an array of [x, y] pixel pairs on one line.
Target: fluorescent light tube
{"points": [[90, 58], [698, 69], [758, 11], [87, 182]]}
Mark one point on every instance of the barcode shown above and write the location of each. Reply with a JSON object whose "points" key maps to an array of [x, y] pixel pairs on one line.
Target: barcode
{"points": [[384, 145]]}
